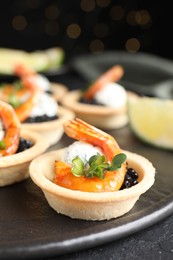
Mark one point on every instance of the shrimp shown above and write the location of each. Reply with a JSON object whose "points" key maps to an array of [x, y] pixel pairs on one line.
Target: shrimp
{"points": [[115, 73], [24, 95], [31, 90], [82, 131], [11, 125], [113, 180], [22, 71]]}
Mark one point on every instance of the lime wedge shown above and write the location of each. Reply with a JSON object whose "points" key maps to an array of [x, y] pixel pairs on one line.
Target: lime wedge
{"points": [[55, 57], [39, 61], [151, 120]]}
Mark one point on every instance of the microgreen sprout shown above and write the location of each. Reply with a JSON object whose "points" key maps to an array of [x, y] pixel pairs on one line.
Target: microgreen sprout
{"points": [[97, 165], [14, 101], [2, 145]]}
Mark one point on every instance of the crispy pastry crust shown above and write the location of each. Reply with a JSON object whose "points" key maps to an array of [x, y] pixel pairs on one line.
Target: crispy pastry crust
{"points": [[90, 205], [58, 91], [14, 168], [99, 116], [52, 131]]}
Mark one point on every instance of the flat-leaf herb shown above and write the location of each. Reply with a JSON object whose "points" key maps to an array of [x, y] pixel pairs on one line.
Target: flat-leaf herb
{"points": [[97, 165]]}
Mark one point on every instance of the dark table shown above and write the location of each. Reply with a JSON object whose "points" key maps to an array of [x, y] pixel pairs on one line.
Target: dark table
{"points": [[155, 243]]}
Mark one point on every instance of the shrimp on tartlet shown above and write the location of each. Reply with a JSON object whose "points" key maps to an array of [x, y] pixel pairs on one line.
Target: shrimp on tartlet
{"points": [[103, 103], [17, 146], [35, 107], [91, 179], [102, 179]]}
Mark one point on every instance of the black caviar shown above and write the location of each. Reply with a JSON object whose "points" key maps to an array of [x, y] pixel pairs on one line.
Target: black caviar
{"points": [[24, 145], [131, 178], [39, 119], [90, 101]]}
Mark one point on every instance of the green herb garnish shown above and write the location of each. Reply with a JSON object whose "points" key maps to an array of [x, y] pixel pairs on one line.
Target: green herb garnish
{"points": [[97, 165], [2, 145], [17, 85], [78, 166], [14, 101]]}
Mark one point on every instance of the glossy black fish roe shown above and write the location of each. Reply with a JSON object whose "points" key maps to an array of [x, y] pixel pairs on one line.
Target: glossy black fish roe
{"points": [[90, 101], [39, 119], [131, 178], [24, 145]]}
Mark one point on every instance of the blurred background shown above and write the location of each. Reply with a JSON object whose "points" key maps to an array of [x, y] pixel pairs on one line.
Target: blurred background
{"points": [[88, 26]]}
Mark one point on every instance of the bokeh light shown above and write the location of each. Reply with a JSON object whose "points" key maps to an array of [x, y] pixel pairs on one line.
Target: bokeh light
{"points": [[117, 12], [103, 3], [19, 22], [73, 31], [132, 45], [87, 5], [96, 46], [52, 12]]}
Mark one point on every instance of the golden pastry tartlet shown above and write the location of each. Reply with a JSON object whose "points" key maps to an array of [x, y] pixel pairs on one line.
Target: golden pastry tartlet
{"points": [[90, 197], [14, 162], [97, 115], [52, 131], [103, 104], [58, 91]]}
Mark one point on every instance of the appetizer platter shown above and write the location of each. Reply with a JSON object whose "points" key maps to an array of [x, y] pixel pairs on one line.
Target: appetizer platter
{"points": [[32, 228], [37, 229]]}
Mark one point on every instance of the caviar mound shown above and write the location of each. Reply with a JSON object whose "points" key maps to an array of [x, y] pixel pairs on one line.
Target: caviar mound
{"points": [[15, 167], [90, 205]]}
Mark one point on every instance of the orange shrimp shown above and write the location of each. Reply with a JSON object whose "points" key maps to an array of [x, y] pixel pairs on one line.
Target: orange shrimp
{"points": [[22, 71], [11, 125], [25, 95], [114, 74], [113, 180], [30, 89]]}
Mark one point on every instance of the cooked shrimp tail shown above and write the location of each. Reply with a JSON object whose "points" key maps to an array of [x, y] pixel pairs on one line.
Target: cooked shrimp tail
{"points": [[22, 71], [30, 89], [80, 130], [114, 74]]}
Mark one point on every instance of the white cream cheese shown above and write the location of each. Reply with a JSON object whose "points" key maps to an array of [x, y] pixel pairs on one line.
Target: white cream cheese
{"points": [[44, 105], [2, 132], [42, 82], [81, 149], [112, 95]]}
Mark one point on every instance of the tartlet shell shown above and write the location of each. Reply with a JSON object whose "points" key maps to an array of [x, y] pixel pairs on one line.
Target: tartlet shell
{"points": [[52, 131], [15, 168], [100, 116], [58, 91], [90, 205]]}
